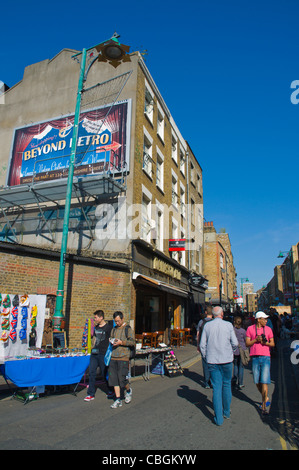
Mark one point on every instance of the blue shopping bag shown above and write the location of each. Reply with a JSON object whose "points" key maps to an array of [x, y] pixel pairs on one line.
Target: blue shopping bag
{"points": [[108, 354]]}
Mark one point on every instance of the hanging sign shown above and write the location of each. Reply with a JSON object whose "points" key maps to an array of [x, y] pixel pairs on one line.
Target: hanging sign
{"points": [[177, 244]]}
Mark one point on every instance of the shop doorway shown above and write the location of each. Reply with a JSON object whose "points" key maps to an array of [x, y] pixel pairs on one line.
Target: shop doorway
{"points": [[149, 312], [177, 312]]}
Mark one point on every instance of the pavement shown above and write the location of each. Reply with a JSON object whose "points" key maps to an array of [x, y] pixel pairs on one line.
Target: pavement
{"points": [[186, 356]]}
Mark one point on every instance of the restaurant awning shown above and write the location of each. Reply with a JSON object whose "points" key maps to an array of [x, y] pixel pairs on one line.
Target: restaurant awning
{"points": [[159, 285]]}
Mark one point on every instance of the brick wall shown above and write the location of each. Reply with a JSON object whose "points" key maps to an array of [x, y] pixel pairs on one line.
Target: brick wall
{"points": [[87, 287]]}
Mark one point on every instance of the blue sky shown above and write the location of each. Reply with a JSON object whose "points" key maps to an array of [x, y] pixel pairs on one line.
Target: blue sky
{"points": [[224, 69]]}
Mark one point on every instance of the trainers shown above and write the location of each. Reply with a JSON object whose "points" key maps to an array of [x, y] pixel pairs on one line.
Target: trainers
{"points": [[117, 404], [89, 398], [128, 396]]}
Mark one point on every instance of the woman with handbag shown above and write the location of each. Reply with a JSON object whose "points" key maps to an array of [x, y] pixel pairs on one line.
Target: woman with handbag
{"points": [[238, 372]]}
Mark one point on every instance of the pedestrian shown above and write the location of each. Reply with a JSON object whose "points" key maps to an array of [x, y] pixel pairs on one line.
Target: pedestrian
{"points": [[201, 324], [218, 341], [100, 340], [122, 338], [238, 373], [259, 338], [276, 326]]}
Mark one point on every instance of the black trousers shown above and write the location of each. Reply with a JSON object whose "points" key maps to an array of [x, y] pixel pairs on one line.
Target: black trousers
{"points": [[96, 360]]}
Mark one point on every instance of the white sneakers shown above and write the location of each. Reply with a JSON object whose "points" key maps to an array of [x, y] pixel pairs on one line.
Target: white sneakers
{"points": [[118, 403], [128, 396]]}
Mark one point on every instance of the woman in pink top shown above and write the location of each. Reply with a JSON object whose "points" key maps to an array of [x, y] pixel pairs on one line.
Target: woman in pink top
{"points": [[259, 338]]}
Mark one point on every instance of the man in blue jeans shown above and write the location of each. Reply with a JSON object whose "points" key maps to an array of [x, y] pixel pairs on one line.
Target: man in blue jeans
{"points": [[217, 345]]}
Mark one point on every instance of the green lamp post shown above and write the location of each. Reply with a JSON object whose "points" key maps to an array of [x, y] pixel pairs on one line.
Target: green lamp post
{"points": [[114, 53]]}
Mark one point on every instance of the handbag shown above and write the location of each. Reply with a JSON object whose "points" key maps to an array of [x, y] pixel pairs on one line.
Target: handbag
{"points": [[108, 354], [245, 356]]}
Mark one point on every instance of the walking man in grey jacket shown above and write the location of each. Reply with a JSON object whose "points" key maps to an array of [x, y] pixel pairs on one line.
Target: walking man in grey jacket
{"points": [[217, 345]]}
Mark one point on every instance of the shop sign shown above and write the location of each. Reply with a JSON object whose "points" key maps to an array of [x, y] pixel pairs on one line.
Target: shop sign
{"points": [[42, 151], [177, 244], [197, 281], [166, 268]]}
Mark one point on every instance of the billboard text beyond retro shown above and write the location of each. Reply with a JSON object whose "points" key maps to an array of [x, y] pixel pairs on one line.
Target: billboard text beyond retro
{"points": [[41, 152]]}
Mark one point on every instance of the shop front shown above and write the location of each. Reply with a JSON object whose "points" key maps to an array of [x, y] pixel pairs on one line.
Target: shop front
{"points": [[162, 292]]}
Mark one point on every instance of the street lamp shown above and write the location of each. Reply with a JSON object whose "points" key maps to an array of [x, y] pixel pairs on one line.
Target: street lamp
{"points": [[108, 51], [289, 254]]}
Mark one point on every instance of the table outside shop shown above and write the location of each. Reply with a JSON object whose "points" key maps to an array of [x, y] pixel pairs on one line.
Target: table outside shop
{"points": [[33, 372], [148, 355]]}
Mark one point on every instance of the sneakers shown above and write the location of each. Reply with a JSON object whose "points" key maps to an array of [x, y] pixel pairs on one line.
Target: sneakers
{"points": [[89, 398], [128, 396], [117, 403]]}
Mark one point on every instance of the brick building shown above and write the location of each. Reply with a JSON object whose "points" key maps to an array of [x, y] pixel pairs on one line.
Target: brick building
{"points": [[138, 196], [218, 267]]}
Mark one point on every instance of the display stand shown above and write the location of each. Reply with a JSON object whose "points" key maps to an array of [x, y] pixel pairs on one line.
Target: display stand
{"points": [[172, 365]]}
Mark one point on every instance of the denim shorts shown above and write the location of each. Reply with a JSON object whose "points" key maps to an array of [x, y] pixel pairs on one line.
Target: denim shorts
{"points": [[261, 369]]}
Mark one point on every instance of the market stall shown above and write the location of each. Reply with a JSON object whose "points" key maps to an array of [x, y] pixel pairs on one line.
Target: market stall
{"points": [[159, 360], [47, 370], [23, 361]]}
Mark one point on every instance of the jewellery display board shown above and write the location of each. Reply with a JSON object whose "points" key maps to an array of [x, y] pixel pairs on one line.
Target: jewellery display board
{"points": [[171, 365], [22, 320]]}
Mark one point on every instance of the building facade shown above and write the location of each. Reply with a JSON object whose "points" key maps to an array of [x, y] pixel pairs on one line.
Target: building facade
{"points": [[219, 267], [136, 222], [283, 287]]}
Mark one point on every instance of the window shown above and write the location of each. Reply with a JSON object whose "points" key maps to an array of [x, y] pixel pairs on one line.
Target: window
{"points": [[174, 189], [160, 170], [182, 161], [174, 149], [147, 163], [159, 226], [192, 212], [146, 218], [198, 184], [192, 170], [160, 124], [182, 201], [149, 103], [221, 261], [174, 231]]}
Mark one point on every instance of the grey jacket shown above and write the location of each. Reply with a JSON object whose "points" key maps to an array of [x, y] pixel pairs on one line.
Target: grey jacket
{"points": [[122, 352]]}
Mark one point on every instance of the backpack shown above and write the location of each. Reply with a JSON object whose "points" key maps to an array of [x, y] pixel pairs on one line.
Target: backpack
{"points": [[131, 348], [204, 321]]}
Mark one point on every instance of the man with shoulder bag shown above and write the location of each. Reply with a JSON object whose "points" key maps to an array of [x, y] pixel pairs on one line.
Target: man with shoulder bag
{"points": [[123, 340], [100, 343]]}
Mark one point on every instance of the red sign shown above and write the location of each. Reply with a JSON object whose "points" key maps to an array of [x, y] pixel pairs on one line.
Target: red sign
{"points": [[177, 244]]}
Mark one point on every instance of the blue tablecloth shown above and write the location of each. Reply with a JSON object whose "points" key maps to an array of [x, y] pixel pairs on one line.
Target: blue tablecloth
{"points": [[45, 371]]}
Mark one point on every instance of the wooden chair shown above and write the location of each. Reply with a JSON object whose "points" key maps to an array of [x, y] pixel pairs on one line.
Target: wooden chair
{"points": [[159, 336], [188, 335], [138, 338], [182, 333], [147, 339], [175, 337]]}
